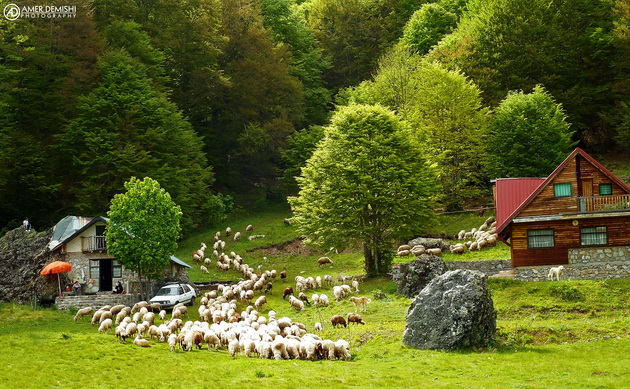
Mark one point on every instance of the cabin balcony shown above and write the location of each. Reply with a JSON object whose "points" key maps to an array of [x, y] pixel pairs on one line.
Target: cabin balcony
{"points": [[90, 244], [604, 203]]}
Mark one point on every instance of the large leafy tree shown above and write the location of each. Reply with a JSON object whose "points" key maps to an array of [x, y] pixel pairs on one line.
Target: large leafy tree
{"points": [[365, 182], [447, 116], [143, 228], [126, 128], [528, 136]]}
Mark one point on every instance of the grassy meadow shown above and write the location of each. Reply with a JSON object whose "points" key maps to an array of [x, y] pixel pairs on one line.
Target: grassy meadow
{"points": [[566, 334]]}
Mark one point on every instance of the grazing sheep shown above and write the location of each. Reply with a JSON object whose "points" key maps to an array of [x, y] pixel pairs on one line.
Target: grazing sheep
{"points": [[458, 248], [228, 231], [328, 280], [318, 326], [105, 326], [172, 341], [324, 260], [296, 303], [237, 236], [435, 251], [249, 228], [323, 300], [418, 250], [287, 222], [139, 341], [82, 312], [204, 269], [355, 318], [360, 303], [403, 253], [268, 287], [342, 350], [105, 315], [338, 320], [260, 302], [338, 293], [555, 271], [355, 286], [287, 291], [283, 275]]}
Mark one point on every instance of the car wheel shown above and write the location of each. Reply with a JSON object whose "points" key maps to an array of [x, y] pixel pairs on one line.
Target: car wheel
{"points": [[192, 302]]}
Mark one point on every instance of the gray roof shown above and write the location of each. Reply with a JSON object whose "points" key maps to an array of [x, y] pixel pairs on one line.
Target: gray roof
{"points": [[69, 227], [180, 262]]}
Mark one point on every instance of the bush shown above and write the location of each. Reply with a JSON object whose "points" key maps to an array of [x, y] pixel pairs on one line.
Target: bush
{"points": [[567, 292]]}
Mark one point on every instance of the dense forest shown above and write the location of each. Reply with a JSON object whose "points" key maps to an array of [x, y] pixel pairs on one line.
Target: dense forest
{"points": [[223, 101]]}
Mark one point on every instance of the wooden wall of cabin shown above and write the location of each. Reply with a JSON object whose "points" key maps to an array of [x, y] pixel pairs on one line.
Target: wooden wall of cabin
{"points": [[566, 236], [578, 172]]}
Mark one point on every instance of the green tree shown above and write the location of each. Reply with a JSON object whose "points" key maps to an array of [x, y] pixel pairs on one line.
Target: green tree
{"points": [[365, 182], [528, 136], [143, 229], [427, 27], [506, 45], [446, 112], [126, 128], [301, 146], [307, 61]]}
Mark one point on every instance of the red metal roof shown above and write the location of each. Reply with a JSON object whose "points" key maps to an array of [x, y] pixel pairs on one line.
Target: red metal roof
{"points": [[515, 191], [510, 193]]}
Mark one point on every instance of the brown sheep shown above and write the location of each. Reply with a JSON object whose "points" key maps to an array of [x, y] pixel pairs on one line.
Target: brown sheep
{"points": [[287, 291], [268, 287], [324, 261], [338, 320], [283, 274], [355, 318]]}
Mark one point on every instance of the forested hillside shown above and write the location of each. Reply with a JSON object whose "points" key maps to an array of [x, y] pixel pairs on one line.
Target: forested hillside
{"points": [[223, 101]]}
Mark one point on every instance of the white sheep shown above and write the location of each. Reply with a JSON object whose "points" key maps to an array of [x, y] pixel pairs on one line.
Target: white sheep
{"points": [[355, 285], [204, 269], [323, 300], [105, 326], [237, 236], [82, 312], [139, 341], [318, 326]]}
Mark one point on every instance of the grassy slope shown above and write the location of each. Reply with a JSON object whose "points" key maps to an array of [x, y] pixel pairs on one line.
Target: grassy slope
{"points": [[551, 334]]}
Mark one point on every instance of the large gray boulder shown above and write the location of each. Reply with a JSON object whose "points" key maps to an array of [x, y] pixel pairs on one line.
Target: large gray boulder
{"points": [[412, 277], [454, 311], [431, 243]]}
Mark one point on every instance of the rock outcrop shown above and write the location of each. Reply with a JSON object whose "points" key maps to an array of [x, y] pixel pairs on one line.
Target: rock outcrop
{"points": [[23, 254], [431, 243], [453, 311], [412, 277]]}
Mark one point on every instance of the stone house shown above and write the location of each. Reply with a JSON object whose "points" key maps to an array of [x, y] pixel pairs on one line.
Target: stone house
{"points": [[81, 242]]}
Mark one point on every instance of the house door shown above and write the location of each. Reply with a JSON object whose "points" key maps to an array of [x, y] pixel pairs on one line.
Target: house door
{"points": [[587, 188], [105, 277]]}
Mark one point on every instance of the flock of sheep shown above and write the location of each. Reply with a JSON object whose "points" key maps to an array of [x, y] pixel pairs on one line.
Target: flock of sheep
{"points": [[221, 325], [477, 238]]}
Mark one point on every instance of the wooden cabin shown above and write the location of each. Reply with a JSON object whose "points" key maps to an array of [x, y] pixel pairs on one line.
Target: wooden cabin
{"points": [[580, 205]]}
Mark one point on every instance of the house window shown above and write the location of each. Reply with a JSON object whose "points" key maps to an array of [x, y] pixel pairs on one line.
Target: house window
{"points": [[605, 189], [95, 266], [542, 238], [562, 190], [593, 236], [116, 269]]}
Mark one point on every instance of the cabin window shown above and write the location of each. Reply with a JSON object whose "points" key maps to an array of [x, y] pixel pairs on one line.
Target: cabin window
{"points": [[562, 190], [116, 269], [605, 189], [95, 267], [593, 236], [542, 238]]}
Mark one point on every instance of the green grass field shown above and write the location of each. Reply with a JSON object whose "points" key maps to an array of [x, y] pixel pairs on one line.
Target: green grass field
{"points": [[567, 334]]}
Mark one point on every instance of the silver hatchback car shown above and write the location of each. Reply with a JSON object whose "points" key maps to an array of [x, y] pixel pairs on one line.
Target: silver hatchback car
{"points": [[174, 293]]}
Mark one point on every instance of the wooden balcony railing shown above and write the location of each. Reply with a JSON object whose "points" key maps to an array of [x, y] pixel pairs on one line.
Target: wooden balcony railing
{"points": [[93, 243], [604, 203]]}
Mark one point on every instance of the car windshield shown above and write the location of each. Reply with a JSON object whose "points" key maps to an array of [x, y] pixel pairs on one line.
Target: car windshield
{"points": [[167, 291]]}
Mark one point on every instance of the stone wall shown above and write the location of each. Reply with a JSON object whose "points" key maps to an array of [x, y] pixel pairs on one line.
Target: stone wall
{"points": [[95, 301], [489, 268], [585, 264]]}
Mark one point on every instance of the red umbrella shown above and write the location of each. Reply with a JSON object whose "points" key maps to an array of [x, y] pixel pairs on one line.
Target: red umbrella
{"points": [[56, 268]]}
